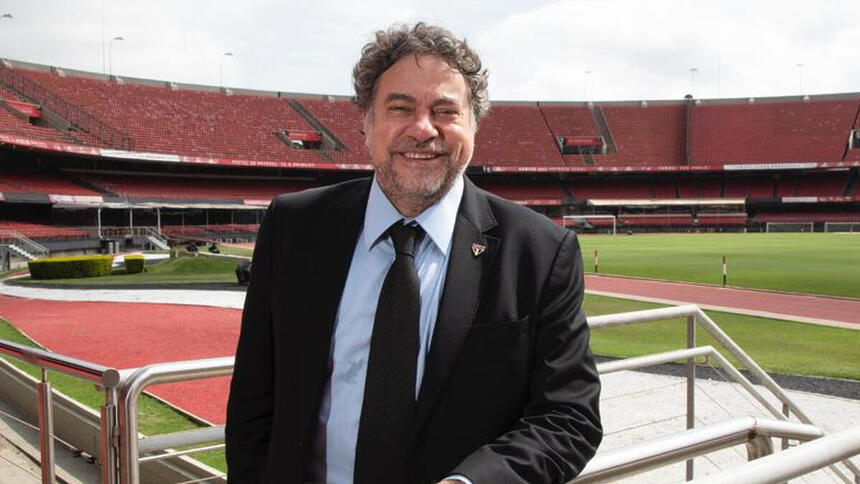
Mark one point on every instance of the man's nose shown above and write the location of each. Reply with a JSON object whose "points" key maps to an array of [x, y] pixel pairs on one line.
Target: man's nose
{"points": [[422, 127]]}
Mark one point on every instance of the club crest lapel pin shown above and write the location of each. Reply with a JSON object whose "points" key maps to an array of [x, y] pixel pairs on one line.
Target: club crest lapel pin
{"points": [[478, 249]]}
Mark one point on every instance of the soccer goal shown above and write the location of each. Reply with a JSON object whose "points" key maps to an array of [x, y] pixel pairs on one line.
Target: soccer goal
{"points": [[590, 222], [789, 227], [842, 226]]}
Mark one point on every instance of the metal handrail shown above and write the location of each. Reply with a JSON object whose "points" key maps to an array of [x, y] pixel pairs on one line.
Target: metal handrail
{"points": [[149, 445], [130, 390], [695, 315], [793, 462], [703, 320], [122, 446], [30, 245], [621, 462], [106, 377], [91, 372], [701, 351]]}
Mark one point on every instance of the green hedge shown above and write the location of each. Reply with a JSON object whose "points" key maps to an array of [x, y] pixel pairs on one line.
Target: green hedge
{"points": [[71, 267], [134, 263]]}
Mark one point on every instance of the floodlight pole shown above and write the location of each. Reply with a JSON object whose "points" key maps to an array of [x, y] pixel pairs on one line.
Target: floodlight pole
{"points": [[585, 78], [800, 69], [693, 71], [6, 15], [221, 69], [110, 53]]}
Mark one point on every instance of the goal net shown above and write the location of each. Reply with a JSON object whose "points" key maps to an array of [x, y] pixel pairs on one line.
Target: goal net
{"points": [[590, 223], [842, 226], [789, 227]]}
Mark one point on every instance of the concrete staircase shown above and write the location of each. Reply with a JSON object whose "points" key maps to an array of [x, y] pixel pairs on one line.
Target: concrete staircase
{"points": [[22, 245], [605, 132], [21, 252]]}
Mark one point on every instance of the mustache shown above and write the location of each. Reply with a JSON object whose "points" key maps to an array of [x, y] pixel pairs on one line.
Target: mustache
{"points": [[434, 145]]}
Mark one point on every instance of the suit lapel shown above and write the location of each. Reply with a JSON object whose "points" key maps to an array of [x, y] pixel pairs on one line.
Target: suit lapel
{"points": [[461, 295], [336, 233]]}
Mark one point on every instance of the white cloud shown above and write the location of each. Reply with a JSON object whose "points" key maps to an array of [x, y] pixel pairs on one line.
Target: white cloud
{"points": [[533, 49], [645, 49]]}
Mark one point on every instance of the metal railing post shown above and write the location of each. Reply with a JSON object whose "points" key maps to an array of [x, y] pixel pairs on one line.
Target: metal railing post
{"points": [[760, 446], [103, 376], [46, 428], [128, 393], [110, 438], [691, 387], [128, 451]]}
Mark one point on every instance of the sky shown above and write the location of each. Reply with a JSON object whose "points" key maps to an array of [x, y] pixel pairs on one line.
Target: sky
{"points": [[538, 50]]}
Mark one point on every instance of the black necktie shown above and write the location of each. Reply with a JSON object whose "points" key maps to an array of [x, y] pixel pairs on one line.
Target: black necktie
{"points": [[387, 415]]}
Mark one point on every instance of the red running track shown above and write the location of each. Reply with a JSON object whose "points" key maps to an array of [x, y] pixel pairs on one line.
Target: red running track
{"points": [[130, 335], [796, 307]]}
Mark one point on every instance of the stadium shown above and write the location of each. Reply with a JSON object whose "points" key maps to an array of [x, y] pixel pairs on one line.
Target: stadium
{"points": [[738, 217]]}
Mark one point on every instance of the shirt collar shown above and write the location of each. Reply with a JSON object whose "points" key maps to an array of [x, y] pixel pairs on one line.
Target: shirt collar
{"points": [[437, 220]]}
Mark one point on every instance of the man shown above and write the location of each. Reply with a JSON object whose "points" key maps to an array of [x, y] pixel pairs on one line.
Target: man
{"points": [[471, 366]]}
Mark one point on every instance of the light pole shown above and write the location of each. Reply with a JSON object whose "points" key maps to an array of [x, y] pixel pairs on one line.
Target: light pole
{"points": [[221, 69], [6, 15], [585, 77], [110, 54], [800, 69], [693, 71]]}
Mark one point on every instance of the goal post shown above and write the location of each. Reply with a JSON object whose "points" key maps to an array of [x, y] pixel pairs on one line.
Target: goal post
{"points": [[789, 227], [842, 226], [590, 222]]}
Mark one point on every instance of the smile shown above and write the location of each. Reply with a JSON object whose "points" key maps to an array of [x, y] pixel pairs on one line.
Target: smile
{"points": [[419, 156]]}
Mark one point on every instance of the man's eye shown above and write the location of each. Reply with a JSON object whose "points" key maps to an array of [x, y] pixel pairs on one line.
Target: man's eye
{"points": [[402, 109], [448, 113]]}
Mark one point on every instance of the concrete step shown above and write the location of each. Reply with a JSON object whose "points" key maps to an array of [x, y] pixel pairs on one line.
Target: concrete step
{"points": [[20, 455], [15, 466], [158, 242], [21, 252]]}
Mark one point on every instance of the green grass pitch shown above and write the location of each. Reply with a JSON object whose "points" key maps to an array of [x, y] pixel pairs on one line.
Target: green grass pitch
{"points": [[818, 263]]}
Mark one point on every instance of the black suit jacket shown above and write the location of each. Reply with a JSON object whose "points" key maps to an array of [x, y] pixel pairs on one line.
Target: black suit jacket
{"points": [[510, 391]]}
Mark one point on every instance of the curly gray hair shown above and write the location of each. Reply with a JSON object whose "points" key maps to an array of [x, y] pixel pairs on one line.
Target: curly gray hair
{"points": [[401, 40]]}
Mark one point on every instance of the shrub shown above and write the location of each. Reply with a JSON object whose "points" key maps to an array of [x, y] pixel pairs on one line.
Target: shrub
{"points": [[71, 267], [134, 263]]}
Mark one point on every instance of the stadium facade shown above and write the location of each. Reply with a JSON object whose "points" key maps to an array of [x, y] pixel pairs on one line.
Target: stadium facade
{"points": [[83, 157]]}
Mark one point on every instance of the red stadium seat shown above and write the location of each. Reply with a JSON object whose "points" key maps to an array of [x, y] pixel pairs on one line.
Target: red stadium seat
{"points": [[771, 132]]}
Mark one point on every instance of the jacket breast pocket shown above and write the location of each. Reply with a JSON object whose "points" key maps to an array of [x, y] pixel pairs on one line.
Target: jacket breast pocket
{"points": [[492, 370]]}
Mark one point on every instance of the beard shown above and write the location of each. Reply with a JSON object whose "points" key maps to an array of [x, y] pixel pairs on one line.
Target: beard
{"points": [[416, 184]]}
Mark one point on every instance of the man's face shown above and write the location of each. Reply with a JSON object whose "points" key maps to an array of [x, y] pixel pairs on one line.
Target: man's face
{"points": [[420, 129]]}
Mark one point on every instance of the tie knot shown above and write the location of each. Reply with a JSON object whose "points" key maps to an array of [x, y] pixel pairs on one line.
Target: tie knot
{"points": [[405, 237]]}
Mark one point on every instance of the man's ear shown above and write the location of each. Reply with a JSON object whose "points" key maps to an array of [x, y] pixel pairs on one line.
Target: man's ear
{"points": [[366, 121]]}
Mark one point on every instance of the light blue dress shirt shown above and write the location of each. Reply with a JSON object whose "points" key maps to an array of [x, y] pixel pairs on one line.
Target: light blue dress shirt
{"points": [[340, 409]]}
